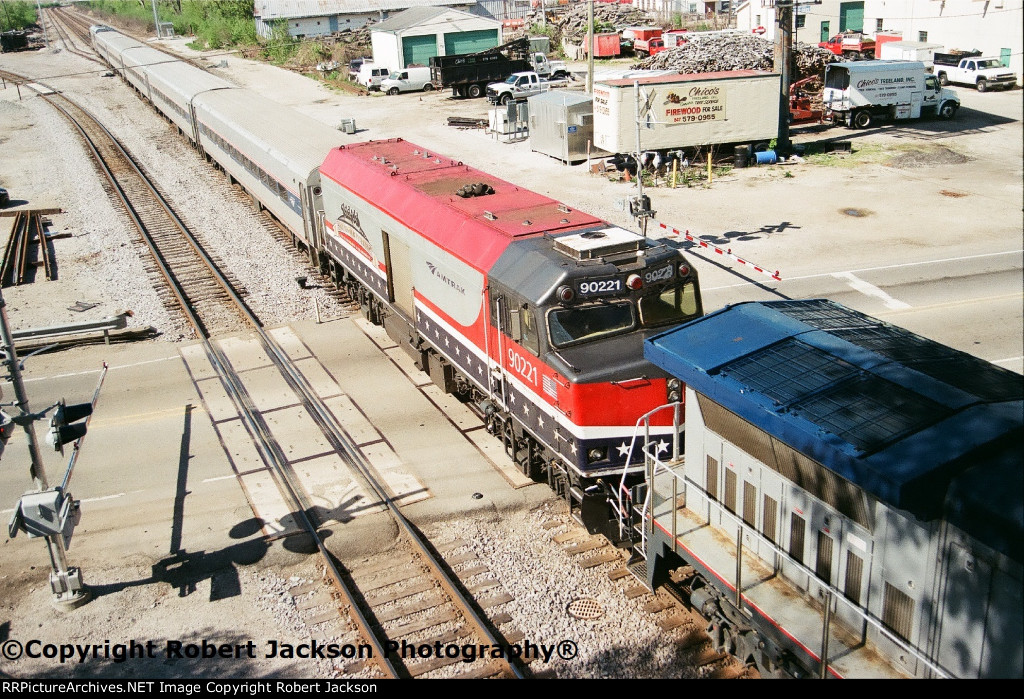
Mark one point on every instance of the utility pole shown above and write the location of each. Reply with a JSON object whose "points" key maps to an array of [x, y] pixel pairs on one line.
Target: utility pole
{"points": [[590, 47], [39, 11], [782, 56], [156, 21]]}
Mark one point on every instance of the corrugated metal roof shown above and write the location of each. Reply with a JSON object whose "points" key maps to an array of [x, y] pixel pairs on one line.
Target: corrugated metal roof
{"points": [[288, 9], [416, 16], [897, 414]]}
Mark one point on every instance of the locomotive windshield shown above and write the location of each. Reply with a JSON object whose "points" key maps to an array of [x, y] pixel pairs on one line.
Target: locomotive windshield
{"points": [[569, 326], [676, 304]]}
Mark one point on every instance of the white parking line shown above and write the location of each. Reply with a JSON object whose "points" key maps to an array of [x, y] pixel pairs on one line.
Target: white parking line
{"points": [[858, 284]]}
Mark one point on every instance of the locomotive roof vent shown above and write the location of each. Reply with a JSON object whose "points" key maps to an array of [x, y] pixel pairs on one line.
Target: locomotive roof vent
{"points": [[598, 243]]}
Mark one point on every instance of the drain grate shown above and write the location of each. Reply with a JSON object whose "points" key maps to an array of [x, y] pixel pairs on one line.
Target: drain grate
{"points": [[586, 608]]}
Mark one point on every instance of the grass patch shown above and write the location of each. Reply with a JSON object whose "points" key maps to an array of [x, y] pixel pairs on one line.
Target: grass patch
{"points": [[867, 154]]}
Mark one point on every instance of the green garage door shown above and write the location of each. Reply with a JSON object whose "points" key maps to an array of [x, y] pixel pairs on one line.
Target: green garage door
{"points": [[470, 42], [419, 49], [851, 16]]}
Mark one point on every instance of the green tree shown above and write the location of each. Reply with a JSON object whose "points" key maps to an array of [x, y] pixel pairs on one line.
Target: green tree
{"points": [[16, 15]]}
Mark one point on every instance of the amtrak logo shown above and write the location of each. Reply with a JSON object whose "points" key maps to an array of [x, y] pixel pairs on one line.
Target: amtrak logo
{"points": [[445, 280]]}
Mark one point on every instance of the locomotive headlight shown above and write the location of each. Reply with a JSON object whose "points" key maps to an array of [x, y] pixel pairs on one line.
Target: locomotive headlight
{"points": [[675, 390], [596, 454], [684, 270], [565, 294], [634, 281]]}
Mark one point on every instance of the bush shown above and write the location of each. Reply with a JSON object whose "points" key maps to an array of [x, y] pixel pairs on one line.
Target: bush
{"points": [[16, 15]]}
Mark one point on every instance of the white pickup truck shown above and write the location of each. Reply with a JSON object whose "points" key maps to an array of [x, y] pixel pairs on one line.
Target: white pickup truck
{"points": [[983, 72], [521, 86]]}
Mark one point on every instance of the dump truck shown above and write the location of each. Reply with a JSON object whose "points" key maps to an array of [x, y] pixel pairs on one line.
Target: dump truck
{"points": [[469, 74], [850, 45]]}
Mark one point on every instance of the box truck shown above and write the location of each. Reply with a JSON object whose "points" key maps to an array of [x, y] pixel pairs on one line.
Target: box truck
{"points": [[686, 110], [863, 92]]}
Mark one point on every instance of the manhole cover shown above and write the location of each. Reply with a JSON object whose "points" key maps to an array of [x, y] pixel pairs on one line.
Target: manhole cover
{"points": [[585, 608]]}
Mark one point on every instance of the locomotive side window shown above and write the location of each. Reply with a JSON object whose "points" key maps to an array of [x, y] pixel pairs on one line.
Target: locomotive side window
{"points": [[570, 326], [674, 305], [528, 327]]}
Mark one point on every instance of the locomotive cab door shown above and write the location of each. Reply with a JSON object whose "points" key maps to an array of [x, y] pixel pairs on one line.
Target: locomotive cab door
{"points": [[497, 387]]}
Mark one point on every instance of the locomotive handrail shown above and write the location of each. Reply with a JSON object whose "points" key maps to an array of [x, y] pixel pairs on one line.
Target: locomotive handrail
{"points": [[644, 419], [837, 594]]}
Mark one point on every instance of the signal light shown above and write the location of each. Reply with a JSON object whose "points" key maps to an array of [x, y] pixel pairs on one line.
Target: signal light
{"points": [[62, 425], [565, 294], [684, 270], [634, 281]]}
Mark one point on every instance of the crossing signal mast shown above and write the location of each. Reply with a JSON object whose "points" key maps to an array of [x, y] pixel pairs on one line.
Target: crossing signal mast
{"points": [[46, 512]]}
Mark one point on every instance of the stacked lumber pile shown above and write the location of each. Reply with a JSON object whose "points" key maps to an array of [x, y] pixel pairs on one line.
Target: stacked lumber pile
{"points": [[740, 51]]}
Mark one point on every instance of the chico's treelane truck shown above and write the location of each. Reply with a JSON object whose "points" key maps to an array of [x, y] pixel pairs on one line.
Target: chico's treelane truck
{"points": [[863, 92]]}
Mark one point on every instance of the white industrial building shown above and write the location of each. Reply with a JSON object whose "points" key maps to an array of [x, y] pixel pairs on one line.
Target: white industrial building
{"points": [[993, 27], [420, 33], [311, 18]]}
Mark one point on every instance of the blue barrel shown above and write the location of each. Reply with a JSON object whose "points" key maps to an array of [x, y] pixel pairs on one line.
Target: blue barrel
{"points": [[765, 157]]}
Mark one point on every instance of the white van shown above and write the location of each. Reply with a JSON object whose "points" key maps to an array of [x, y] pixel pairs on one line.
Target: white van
{"points": [[408, 80], [372, 75]]}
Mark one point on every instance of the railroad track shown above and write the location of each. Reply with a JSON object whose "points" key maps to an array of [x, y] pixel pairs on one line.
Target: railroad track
{"points": [[68, 25], [681, 624], [209, 301]]}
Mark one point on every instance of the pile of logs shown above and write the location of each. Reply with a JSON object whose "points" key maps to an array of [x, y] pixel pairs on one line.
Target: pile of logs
{"points": [[572, 24], [705, 53]]}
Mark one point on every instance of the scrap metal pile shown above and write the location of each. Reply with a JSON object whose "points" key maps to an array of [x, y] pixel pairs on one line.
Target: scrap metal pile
{"points": [[705, 53]]}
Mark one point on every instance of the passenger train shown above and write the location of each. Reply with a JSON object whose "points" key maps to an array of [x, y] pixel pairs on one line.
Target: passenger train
{"points": [[527, 309], [843, 509]]}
